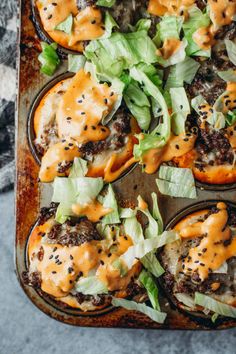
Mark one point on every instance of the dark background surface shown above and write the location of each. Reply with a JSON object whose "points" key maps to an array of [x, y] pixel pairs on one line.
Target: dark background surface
{"points": [[23, 328]]}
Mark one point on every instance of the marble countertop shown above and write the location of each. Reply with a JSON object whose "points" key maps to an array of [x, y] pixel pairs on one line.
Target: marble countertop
{"points": [[24, 329]]}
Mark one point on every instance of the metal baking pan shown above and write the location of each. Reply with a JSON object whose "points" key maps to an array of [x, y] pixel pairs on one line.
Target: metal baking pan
{"points": [[31, 195]]}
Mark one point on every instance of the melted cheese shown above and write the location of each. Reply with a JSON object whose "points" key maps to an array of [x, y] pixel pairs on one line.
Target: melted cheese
{"points": [[82, 108], [170, 46], [94, 211], [211, 253], [60, 153], [87, 23], [222, 12], [169, 7], [60, 266], [176, 146], [204, 37]]}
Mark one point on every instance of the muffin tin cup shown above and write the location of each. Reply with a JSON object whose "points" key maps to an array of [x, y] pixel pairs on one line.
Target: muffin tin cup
{"points": [[199, 318]]}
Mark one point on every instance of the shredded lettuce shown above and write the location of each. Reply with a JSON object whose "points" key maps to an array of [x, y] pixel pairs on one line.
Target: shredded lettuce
{"points": [[151, 263], [79, 168], [163, 128], [176, 182], [138, 104], [184, 71], [106, 3], [198, 101], [228, 75], [231, 50], [109, 201], [196, 20], [140, 249], [180, 109], [177, 57], [214, 305], [91, 286], [66, 25], [142, 24], [217, 120], [121, 266], [148, 311], [75, 62], [109, 23], [148, 282], [156, 212], [169, 27], [48, 58], [152, 229], [133, 229], [126, 213], [111, 56], [231, 118], [186, 299], [69, 191]]}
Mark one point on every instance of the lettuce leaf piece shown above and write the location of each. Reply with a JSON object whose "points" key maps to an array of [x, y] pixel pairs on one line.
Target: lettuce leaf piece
{"points": [[118, 87], [75, 62], [152, 229], [91, 286], [169, 27], [109, 23], [196, 20], [140, 249], [198, 101], [105, 3], [142, 24], [213, 305], [149, 284], [156, 212], [186, 299], [126, 213], [231, 50], [155, 315], [79, 168], [176, 182], [69, 191], [66, 25], [163, 129], [151, 263], [184, 71], [231, 118], [133, 229], [120, 51], [138, 104], [217, 120], [48, 58], [109, 201], [228, 75], [180, 109], [214, 317]]}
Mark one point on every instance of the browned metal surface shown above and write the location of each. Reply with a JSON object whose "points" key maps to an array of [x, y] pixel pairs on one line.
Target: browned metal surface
{"points": [[30, 196]]}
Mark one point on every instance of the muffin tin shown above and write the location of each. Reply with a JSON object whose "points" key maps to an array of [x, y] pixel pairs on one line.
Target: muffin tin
{"points": [[32, 195]]}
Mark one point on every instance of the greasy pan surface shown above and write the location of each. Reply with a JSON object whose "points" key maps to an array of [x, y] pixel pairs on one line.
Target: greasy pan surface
{"points": [[30, 196]]}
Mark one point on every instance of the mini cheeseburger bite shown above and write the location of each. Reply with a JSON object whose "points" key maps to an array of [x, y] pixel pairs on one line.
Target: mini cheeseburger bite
{"points": [[200, 267], [83, 253], [64, 257], [77, 118], [73, 23]]}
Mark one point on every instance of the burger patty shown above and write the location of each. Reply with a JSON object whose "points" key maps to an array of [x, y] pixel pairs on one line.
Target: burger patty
{"points": [[175, 281]]}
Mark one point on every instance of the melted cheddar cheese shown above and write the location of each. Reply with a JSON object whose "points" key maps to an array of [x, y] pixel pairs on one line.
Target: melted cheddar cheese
{"points": [[204, 37], [82, 108], [222, 12], [176, 146], [60, 266], [87, 23], [169, 7], [216, 245], [170, 47]]}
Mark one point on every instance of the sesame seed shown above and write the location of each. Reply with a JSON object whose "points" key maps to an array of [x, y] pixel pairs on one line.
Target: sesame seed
{"points": [[51, 256], [53, 272], [101, 261], [57, 256], [85, 127], [185, 139], [93, 22], [70, 270], [177, 146], [82, 113], [126, 238], [66, 148], [71, 257], [109, 255], [103, 130], [49, 17], [54, 249], [202, 264], [93, 127], [100, 250], [105, 100], [111, 94]]}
